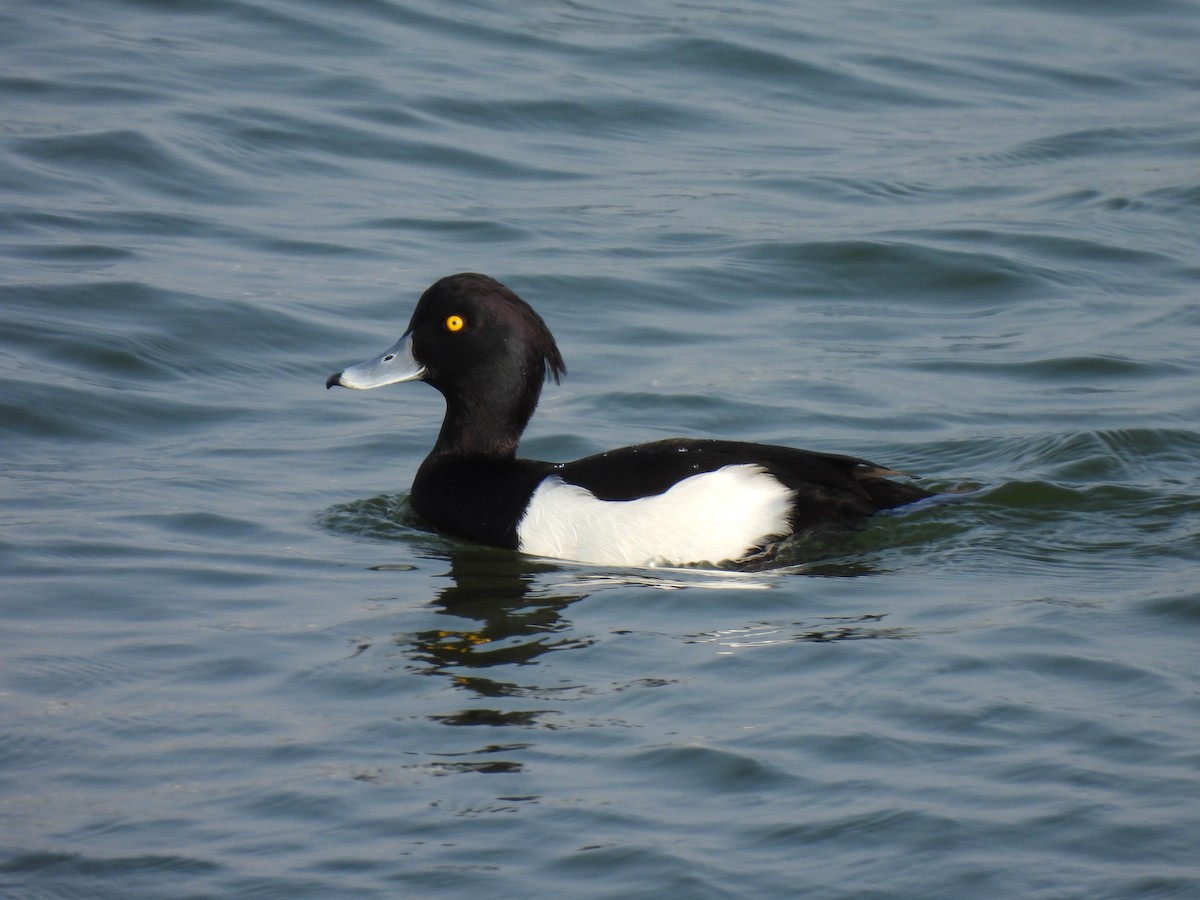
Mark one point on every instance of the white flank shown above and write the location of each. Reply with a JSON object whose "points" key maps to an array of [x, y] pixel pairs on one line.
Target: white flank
{"points": [[709, 517]]}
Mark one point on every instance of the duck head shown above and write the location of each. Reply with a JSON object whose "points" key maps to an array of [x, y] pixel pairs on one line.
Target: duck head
{"points": [[483, 348]]}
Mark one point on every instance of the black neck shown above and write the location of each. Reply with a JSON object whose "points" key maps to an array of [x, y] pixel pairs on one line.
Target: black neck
{"points": [[480, 424]]}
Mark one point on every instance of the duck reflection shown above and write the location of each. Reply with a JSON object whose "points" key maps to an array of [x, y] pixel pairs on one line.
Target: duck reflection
{"points": [[505, 612], [514, 606]]}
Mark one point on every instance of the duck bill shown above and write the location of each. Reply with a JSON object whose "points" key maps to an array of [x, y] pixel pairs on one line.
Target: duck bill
{"points": [[393, 365]]}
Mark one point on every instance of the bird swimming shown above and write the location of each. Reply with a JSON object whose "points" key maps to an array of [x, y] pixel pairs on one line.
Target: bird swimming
{"points": [[678, 501]]}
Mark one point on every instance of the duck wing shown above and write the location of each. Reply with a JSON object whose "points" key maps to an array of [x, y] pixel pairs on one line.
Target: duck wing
{"points": [[826, 486]]}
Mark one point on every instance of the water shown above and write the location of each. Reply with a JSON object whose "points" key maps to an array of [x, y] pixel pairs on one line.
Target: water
{"points": [[956, 238]]}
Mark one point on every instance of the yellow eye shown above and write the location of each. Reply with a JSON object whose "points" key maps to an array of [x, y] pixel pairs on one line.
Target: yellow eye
{"points": [[454, 323]]}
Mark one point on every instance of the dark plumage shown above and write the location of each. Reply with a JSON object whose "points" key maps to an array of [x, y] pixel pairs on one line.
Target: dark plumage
{"points": [[488, 353]]}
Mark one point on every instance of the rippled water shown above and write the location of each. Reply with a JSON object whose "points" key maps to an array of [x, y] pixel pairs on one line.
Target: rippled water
{"points": [[958, 238]]}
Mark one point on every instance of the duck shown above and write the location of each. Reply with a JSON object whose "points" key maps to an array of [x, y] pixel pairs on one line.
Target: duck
{"points": [[672, 502]]}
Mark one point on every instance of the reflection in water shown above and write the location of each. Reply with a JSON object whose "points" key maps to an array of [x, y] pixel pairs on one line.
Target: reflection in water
{"points": [[515, 606], [517, 602], [505, 611], [518, 619], [450, 763], [822, 631]]}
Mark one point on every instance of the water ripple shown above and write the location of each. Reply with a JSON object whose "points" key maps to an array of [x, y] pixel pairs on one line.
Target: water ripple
{"points": [[959, 239]]}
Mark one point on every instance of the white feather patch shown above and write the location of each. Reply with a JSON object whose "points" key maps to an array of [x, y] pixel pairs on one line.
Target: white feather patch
{"points": [[709, 517]]}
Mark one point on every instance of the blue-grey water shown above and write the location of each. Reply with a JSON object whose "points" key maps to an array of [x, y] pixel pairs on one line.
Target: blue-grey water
{"points": [[959, 238]]}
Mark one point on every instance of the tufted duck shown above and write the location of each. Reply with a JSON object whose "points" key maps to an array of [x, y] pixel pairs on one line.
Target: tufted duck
{"points": [[669, 502]]}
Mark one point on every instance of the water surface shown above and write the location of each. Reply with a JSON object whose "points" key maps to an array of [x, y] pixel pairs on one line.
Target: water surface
{"points": [[953, 237]]}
